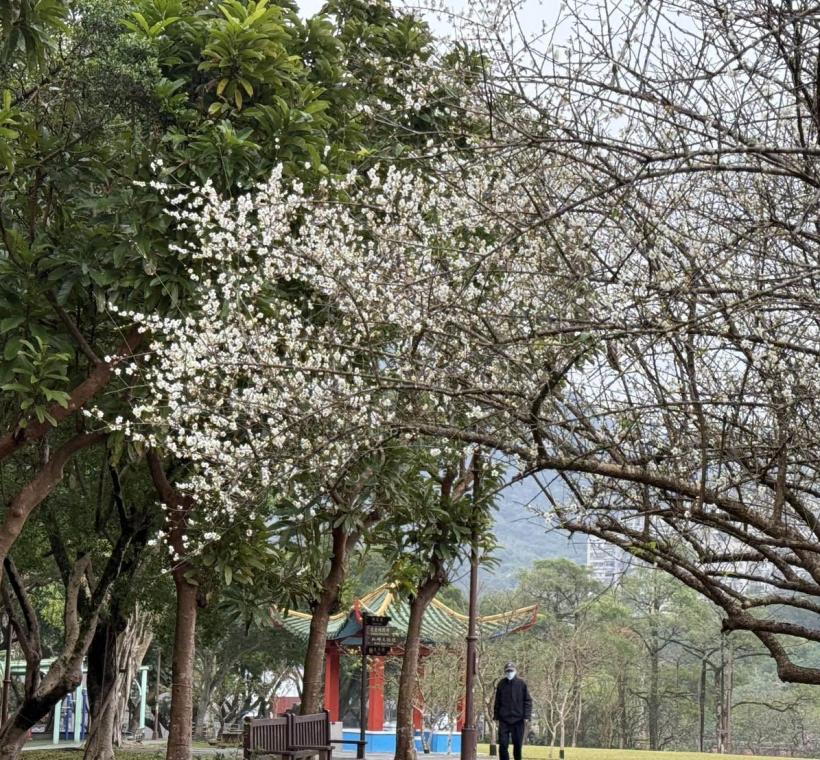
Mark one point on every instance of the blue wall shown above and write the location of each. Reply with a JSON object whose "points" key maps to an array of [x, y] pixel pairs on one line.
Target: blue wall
{"points": [[385, 741], [438, 742]]}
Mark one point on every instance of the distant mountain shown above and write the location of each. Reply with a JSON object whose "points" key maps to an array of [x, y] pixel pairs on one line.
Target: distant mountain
{"points": [[526, 536]]}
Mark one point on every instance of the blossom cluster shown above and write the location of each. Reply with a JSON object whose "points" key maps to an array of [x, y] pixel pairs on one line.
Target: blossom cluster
{"points": [[323, 324]]}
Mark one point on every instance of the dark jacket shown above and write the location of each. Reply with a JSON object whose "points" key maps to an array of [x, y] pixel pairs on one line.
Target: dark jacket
{"points": [[512, 701]]}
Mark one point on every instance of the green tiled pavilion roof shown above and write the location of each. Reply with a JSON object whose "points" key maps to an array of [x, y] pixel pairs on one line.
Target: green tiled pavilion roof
{"points": [[441, 625]]}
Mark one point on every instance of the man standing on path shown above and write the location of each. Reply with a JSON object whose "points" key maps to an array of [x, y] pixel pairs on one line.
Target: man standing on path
{"points": [[512, 710]]}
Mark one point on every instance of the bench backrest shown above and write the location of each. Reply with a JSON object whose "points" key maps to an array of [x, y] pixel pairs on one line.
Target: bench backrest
{"points": [[310, 730], [288, 732], [269, 734]]}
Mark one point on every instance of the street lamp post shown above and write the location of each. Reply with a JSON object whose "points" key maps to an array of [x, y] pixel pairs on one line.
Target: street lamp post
{"points": [[469, 731]]}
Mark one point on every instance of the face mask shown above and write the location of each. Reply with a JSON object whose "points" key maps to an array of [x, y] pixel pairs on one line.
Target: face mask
{"points": [[510, 675]]}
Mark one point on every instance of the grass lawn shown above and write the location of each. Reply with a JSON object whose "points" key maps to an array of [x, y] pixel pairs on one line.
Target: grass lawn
{"points": [[580, 753]]}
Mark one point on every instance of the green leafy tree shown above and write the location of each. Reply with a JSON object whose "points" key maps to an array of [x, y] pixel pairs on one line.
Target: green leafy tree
{"points": [[436, 519], [230, 652], [98, 98], [320, 541]]}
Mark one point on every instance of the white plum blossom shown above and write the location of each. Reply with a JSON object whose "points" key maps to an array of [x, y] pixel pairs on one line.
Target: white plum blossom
{"points": [[324, 324]]}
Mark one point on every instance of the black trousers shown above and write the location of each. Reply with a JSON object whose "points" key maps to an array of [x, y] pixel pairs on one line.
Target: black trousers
{"points": [[510, 732]]}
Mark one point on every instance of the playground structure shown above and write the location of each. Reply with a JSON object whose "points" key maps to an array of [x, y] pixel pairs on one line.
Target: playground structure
{"points": [[441, 627], [67, 723]]}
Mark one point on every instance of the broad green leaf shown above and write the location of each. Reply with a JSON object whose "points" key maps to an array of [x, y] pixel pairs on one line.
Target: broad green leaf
{"points": [[9, 323], [12, 348], [61, 397], [16, 387]]}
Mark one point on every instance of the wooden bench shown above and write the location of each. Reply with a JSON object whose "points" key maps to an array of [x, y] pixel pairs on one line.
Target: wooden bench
{"points": [[231, 733], [291, 736]]}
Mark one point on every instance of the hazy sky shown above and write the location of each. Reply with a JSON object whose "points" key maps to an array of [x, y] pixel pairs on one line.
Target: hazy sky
{"points": [[531, 12], [309, 7]]}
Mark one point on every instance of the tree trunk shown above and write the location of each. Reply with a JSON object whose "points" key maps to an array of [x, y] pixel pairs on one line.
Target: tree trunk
{"points": [[102, 683], [315, 657], [719, 702], [110, 656], [100, 742], [727, 710], [205, 692], [182, 670], [579, 712], [34, 492], [65, 673], [408, 681], [314, 671], [702, 705], [724, 682], [653, 701], [180, 730], [136, 641], [12, 740], [14, 732], [80, 621], [623, 715]]}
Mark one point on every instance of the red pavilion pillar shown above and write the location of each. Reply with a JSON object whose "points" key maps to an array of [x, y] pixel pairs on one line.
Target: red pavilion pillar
{"points": [[460, 719], [332, 681], [375, 695]]}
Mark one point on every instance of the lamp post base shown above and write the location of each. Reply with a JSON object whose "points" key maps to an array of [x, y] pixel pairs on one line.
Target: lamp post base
{"points": [[468, 743]]}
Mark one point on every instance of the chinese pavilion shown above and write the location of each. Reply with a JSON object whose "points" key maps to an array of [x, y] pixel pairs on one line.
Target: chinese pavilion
{"points": [[441, 626]]}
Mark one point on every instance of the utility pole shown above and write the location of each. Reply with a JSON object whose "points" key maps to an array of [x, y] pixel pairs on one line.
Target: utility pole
{"points": [[469, 732]]}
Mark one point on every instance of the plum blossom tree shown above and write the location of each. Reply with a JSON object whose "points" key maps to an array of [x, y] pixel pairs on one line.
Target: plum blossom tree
{"points": [[92, 95], [691, 127], [376, 304]]}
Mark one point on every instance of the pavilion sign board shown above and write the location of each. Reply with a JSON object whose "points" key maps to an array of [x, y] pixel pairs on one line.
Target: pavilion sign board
{"points": [[379, 636]]}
